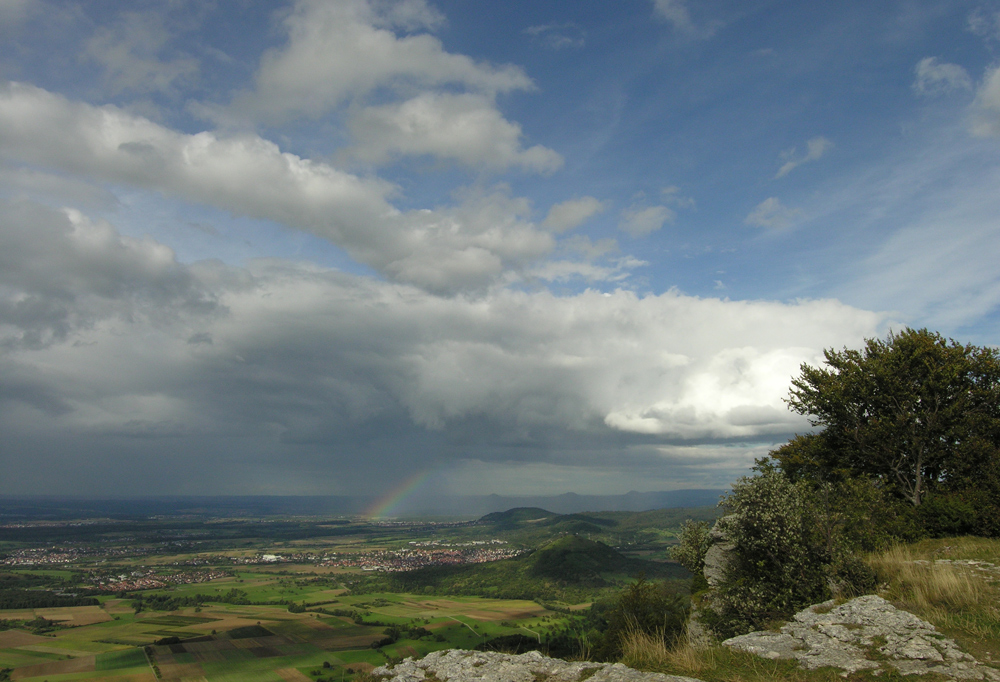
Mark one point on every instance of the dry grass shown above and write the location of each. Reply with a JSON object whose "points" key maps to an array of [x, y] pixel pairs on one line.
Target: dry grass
{"points": [[648, 652], [642, 650], [684, 656], [959, 599], [929, 585], [714, 664]]}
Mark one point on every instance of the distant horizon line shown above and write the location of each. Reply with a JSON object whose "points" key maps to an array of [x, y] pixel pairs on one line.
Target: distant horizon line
{"points": [[39, 496]]}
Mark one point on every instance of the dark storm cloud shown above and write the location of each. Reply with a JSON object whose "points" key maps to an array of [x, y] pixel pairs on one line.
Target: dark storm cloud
{"points": [[126, 353]]}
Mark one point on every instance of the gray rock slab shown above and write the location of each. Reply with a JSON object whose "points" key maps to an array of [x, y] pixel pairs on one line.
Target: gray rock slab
{"points": [[454, 665], [718, 555], [864, 633]]}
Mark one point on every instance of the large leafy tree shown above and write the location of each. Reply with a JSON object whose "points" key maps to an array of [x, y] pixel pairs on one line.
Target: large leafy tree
{"points": [[915, 411]]}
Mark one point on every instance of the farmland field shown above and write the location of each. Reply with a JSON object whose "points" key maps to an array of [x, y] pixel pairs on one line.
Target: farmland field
{"points": [[287, 645], [291, 599]]}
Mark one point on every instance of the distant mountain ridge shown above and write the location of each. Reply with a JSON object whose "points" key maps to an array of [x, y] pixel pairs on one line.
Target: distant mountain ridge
{"points": [[572, 503], [13, 508]]}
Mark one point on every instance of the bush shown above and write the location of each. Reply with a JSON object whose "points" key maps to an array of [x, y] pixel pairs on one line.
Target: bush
{"points": [[777, 563], [694, 542], [946, 515], [796, 542], [852, 577], [647, 607], [510, 644]]}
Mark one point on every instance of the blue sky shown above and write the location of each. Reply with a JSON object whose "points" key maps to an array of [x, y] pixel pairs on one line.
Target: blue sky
{"points": [[527, 247]]}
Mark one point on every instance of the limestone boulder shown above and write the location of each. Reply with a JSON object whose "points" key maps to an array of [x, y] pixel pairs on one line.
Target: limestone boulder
{"points": [[718, 556], [454, 665], [865, 633]]}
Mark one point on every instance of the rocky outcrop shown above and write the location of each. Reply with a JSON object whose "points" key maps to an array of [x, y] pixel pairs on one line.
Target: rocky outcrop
{"points": [[453, 665], [717, 560], [718, 556], [865, 633]]}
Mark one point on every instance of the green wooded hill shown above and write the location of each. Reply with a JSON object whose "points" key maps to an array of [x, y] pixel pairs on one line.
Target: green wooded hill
{"points": [[533, 526], [532, 521], [573, 559], [570, 568], [517, 518]]}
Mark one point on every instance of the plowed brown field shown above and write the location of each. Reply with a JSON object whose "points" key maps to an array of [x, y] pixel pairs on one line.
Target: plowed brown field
{"points": [[292, 675], [15, 638], [74, 665]]}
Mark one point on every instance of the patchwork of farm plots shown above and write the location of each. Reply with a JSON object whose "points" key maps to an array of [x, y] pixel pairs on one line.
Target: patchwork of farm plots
{"points": [[221, 642]]}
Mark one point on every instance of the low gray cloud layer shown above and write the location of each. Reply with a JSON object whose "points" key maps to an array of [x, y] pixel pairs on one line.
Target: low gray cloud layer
{"points": [[112, 344]]}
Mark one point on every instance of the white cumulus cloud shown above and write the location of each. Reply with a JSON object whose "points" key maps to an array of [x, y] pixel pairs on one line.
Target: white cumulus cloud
{"points": [[466, 128], [815, 148], [572, 213], [467, 245], [986, 108], [936, 78], [773, 216], [342, 50], [639, 222]]}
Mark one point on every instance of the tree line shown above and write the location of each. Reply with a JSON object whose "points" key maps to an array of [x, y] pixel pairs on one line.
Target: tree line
{"points": [[40, 599]]}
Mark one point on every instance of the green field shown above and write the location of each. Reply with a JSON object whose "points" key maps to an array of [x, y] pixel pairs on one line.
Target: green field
{"points": [[278, 640], [306, 617]]}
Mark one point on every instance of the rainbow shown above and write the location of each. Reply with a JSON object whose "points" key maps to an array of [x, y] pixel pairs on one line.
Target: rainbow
{"points": [[386, 504]]}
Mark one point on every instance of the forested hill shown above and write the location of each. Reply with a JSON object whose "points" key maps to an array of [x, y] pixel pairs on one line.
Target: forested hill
{"points": [[535, 526], [570, 568], [573, 559]]}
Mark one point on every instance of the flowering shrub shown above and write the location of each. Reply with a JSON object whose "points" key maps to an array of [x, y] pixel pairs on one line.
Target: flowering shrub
{"points": [[694, 542], [777, 563], [795, 544]]}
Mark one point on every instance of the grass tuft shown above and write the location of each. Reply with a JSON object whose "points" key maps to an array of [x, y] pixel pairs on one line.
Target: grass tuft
{"points": [[642, 650], [912, 580], [958, 599]]}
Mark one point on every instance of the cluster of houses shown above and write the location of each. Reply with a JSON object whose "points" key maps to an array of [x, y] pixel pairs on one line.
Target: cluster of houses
{"points": [[149, 579], [418, 555], [471, 543], [390, 561], [41, 556]]}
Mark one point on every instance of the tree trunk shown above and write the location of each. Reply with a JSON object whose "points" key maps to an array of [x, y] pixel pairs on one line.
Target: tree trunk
{"points": [[918, 477]]}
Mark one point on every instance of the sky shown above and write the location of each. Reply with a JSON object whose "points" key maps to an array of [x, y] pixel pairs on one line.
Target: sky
{"points": [[448, 247]]}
